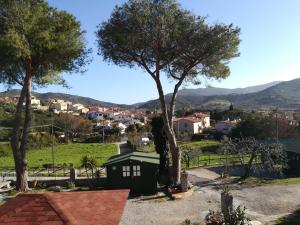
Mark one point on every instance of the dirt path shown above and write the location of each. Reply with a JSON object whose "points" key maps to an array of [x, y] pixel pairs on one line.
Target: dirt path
{"points": [[264, 203]]}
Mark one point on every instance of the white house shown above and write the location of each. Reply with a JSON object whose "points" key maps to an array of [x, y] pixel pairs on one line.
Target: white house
{"points": [[35, 103], [77, 107], [96, 116], [122, 128], [59, 106], [191, 125]]}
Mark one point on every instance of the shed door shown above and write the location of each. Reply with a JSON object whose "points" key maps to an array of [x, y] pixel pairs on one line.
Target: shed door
{"points": [[136, 179]]}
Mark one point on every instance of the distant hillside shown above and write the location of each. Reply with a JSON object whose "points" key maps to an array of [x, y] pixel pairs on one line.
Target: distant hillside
{"points": [[67, 97], [284, 95], [211, 91]]}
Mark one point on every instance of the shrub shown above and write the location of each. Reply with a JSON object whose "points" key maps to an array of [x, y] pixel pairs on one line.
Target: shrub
{"points": [[3, 153], [71, 185], [236, 217]]}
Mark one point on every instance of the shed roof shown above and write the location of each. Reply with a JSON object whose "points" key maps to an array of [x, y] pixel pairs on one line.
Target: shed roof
{"points": [[72, 208], [136, 156]]}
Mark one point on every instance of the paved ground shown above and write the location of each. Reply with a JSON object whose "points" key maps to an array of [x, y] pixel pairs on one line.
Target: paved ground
{"points": [[123, 147], [264, 203]]}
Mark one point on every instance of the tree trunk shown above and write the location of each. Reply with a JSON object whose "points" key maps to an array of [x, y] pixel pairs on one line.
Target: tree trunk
{"points": [[248, 166], [20, 136], [176, 156]]}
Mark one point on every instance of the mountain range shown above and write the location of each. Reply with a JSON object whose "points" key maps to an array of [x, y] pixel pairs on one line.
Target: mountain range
{"points": [[277, 94]]}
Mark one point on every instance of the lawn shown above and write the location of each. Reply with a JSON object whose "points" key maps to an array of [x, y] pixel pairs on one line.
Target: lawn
{"points": [[207, 145], [204, 145], [292, 219], [71, 153], [259, 181]]}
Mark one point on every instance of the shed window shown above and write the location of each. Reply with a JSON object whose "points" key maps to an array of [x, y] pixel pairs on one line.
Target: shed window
{"points": [[126, 171], [136, 171]]}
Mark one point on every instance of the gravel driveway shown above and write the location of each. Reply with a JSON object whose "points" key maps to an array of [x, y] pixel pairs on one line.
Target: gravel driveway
{"points": [[264, 203]]}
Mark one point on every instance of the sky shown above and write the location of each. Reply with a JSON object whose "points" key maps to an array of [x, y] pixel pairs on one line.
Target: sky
{"points": [[270, 48]]}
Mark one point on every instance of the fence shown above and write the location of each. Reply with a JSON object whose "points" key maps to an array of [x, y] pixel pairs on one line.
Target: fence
{"points": [[57, 171], [211, 160]]}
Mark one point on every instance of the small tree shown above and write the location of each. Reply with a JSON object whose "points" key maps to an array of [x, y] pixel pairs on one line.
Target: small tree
{"points": [[160, 142], [161, 37], [255, 155], [37, 44], [89, 163], [73, 124]]}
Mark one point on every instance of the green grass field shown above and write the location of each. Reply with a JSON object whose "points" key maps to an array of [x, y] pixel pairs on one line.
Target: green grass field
{"points": [[204, 145], [71, 153], [207, 144]]}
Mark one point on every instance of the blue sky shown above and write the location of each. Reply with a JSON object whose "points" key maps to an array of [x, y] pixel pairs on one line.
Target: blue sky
{"points": [[270, 48]]}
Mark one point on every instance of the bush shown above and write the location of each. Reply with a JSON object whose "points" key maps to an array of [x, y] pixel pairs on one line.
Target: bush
{"points": [[95, 139], [40, 140], [5, 135], [236, 217], [3, 153], [71, 185]]}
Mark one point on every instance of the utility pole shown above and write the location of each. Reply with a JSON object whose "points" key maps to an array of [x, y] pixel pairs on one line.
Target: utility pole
{"points": [[103, 131], [52, 146], [277, 124]]}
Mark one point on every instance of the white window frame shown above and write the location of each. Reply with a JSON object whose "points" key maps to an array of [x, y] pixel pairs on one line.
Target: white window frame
{"points": [[136, 170], [126, 171]]}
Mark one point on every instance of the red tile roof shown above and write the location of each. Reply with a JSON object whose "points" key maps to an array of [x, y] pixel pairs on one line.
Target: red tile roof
{"points": [[65, 208], [192, 119]]}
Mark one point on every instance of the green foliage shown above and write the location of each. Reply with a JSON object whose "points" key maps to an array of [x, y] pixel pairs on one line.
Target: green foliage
{"points": [[140, 31], [254, 181], [69, 154], [71, 185], [262, 156], [160, 142], [40, 140], [291, 219], [35, 35], [264, 127], [236, 217], [205, 146], [73, 124], [89, 163]]}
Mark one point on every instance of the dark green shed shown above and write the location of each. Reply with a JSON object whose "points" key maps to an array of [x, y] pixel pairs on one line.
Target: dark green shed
{"points": [[292, 147], [136, 171]]}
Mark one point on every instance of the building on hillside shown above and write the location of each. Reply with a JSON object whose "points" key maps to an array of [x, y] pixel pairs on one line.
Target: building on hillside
{"points": [[122, 128], [191, 125], [35, 103], [43, 108], [59, 106], [225, 127], [136, 171], [83, 110], [97, 109], [93, 115], [77, 107]]}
